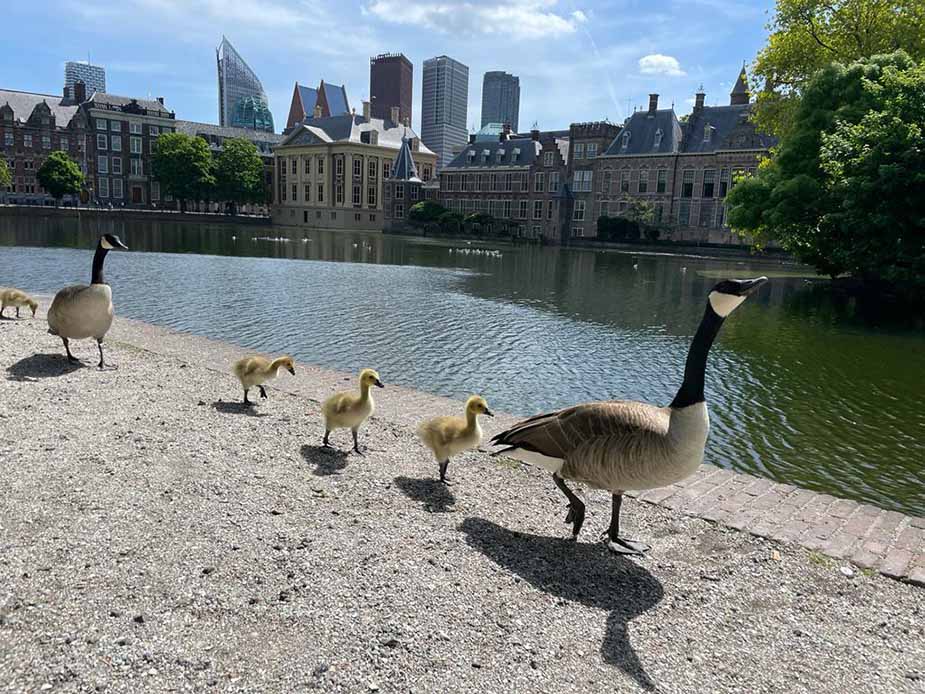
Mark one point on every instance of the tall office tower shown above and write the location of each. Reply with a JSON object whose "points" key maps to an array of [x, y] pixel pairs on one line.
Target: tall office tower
{"points": [[444, 101], [501, 99], [390, 80], [93, 76], [242, 103]]}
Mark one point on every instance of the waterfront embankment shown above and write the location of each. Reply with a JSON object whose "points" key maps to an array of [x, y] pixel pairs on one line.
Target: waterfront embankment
{"points": [[89, 215], [156, 536]]}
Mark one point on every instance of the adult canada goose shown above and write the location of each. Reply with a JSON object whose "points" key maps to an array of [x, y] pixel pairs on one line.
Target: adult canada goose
{"points": [[347, 410], [622, 445], [83, 311], [255, 371], [17, 298], [447, 436]]}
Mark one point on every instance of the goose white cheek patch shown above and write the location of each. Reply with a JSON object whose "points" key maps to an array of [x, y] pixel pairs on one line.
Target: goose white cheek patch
{"points": [[724, 304], [105, 244]]}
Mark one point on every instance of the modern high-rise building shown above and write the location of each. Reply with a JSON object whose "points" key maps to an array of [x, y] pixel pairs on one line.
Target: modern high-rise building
{"points": [[390, 81], [93, 76], [444, 101], [242, 103], [501, 99]]}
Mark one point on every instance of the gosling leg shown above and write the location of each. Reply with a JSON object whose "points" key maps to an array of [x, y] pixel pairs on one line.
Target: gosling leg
{"points": [[615, 543], [263, 393], [246, 401], [17, 313], [67, 348], [576, 507], [356, 442], [327, 432], [443, 466]]}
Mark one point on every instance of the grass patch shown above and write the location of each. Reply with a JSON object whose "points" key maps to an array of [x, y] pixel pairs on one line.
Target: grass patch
{"points": [[819, 559]]}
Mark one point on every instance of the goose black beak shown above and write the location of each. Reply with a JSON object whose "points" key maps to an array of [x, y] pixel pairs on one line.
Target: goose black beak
{"points": [[379, 384], [748, 287], [489, 412]]}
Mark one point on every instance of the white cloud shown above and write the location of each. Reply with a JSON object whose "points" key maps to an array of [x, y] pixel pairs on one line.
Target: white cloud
{"points": [[658, 64], [519, 19], [579, 16]]}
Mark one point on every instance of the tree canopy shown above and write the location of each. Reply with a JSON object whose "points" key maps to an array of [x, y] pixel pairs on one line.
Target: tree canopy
{"points": [[6, 177], [60, 175], [426, 211], [183, 165], [807, 35], [239, 172], [846, 189]]}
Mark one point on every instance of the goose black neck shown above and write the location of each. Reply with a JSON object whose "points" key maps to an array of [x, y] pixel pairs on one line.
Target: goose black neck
{"points": [[98, 259], [691, 391]]}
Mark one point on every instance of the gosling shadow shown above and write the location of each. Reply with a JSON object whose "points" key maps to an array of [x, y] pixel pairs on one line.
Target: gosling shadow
{"points": [[586, 573], [436, 496], [327, 461], [236, 408], [42, 366]]}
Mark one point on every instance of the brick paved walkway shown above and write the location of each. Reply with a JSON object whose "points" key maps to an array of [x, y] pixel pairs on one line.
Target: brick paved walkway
{"points": [[867, 536]]}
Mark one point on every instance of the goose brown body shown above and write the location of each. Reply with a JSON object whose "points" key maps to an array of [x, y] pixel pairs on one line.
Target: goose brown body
{"points": [[81, 311]]}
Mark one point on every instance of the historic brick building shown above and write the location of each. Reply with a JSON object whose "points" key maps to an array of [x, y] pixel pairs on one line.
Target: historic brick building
{"points": [[587, 141], [514, 178]]}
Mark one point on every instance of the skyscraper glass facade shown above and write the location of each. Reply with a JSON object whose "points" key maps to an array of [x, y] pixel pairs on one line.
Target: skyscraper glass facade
{"points": [[242, 103], [94, 76], [501, 99], [444, 101]]}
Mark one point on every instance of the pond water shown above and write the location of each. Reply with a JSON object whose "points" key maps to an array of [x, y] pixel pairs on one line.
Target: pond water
{"points": [[804, 386]]}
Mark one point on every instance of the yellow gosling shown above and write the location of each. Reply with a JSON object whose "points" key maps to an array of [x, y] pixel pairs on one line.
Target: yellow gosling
{"points": [[348, 410], [255, 371], [447, 436], [17, 298]]}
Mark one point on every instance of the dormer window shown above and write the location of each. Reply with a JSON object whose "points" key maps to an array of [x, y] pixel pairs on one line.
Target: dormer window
{"points": [[658, 139], [515, 154], [626, 140], [707, 132], [471, 155], [499, 155], [485, 155]]}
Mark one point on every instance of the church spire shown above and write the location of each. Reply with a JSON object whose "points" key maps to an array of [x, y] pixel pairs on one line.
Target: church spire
{"points": [[740, 94]]}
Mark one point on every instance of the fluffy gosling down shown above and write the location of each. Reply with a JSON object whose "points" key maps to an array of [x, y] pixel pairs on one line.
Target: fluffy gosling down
{"points": [[347, 410], [18, 299], [255, 371], [447, 436]]}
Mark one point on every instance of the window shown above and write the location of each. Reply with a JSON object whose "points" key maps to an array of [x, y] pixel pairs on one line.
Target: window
{"points": [[307, 192], [553, 181], [579, 214], [27, 140], [687, 183], [137, 169], [709, 178], [658, 213], [339, 166], [537, 209], [115, 126], [399, 191], [706, 213], [537, 230], [581, 181], [604, 210], [308, 169], [102, 164], [103, 186], [624, 181], [723, 182], [539, 182], [116, 142], [357, 195], [372, 218], [428, 174], [684, 213], [134, 128], [357, 168], [371, 168], [399, 210], [644, 181], [117, 187], [63, 143], [8, 139], [155, 191], [661, 180], [135, 145], [333, 215], [591, 150], [707, 132], [626, 140], [499, 155], [46, 141], [294, 167], [414, 191], [282, 192], [101, 142], [320, 166], [117, 165], [338, 193], [579, 151], [152, 146], [720, 215], [549, 209], [506, 214], [295, 192], [578, 232], [522, 209], [152, 129], [548, 158], [657, 142], [494, 182], [356, 217], [371, 197], [101, 124], [320, 196]]}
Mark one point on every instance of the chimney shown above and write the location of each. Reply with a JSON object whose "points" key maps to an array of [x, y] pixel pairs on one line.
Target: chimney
{"points": [[535, 135], [80, 92], [160, 100], [698, 99], [394, 115], [366, 111], [317, 112], [653, 103], [506, 128], [471, 139]]}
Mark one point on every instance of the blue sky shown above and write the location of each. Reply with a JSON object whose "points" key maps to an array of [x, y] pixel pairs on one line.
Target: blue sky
{"points": [[577, 60]]}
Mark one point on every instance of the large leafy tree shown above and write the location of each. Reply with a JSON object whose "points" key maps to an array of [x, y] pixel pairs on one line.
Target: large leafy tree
{"points": [[807, 35], [5, 176], [239, 172], [60, 175], [846, 189], [183, 166]]}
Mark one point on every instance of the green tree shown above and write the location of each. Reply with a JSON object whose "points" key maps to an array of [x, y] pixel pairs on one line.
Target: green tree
{"points": [[426, 211], [60, 175], [183, 165], [5, 177], [845, 189], [239, 173], [450, 222], [807, 35]]}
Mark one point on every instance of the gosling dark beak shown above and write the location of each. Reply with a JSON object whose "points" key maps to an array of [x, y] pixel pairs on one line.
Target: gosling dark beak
{"points": [[489, 412], [379, 384], [291, 370], [749, 287]]}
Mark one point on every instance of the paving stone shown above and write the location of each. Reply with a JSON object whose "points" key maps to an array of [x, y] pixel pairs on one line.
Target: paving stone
{"points": [[843, 508], [896, 562], [917, 521], [840, 545], [656, 496], [911, 538], [790, 531], [862, 522]]}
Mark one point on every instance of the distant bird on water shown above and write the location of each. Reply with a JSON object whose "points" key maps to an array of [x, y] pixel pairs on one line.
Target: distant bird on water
{"points": [[347, 410], [447, 436], [255, 371], [82, 310], [18, 299], [623, 445]]}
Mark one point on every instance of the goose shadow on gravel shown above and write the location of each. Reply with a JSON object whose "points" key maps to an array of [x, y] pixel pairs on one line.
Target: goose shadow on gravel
{"points": [[582, 572], [41, 366], [436, 496], [237, 408], [327, 461]]}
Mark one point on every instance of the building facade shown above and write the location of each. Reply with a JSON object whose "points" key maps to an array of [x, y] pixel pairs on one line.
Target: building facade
{"points": [[501, 99], [444, 107], [401, 190], [93, 77], [329, 172], [328, 99], [520, 180], [391, 77], [587, 141], [242, 102]]}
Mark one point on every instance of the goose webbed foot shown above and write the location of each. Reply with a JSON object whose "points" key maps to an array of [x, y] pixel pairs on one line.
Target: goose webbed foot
{"points": [[443, 478], [576, 507], [67, 348], [356, 444], [263, 393], [324, 442], [103, 365], [619, 545]]}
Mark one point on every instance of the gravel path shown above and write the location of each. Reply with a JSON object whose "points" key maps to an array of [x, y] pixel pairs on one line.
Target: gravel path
{"points": [[156, 537]]}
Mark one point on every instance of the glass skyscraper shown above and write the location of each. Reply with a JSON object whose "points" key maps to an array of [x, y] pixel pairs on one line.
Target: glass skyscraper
{"points": [[444, 102], [242, 103], [93, 76], [501, 99]]}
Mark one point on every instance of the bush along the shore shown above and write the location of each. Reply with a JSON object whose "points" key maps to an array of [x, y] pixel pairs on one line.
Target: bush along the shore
{"points": [[433, 218], [60, 175]]}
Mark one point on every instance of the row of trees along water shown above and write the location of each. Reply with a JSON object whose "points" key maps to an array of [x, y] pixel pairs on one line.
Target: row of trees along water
{"points": [[841, 84], [183, 165]]}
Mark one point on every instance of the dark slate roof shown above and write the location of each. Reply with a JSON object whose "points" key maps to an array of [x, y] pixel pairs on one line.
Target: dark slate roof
{"points": [[349, 128], [309, 97], [729, 129], [105, 99], [337, 98], [741, 85], [403, 168], [193, 128], [23, 103], [484, 154], [642, 127]]}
